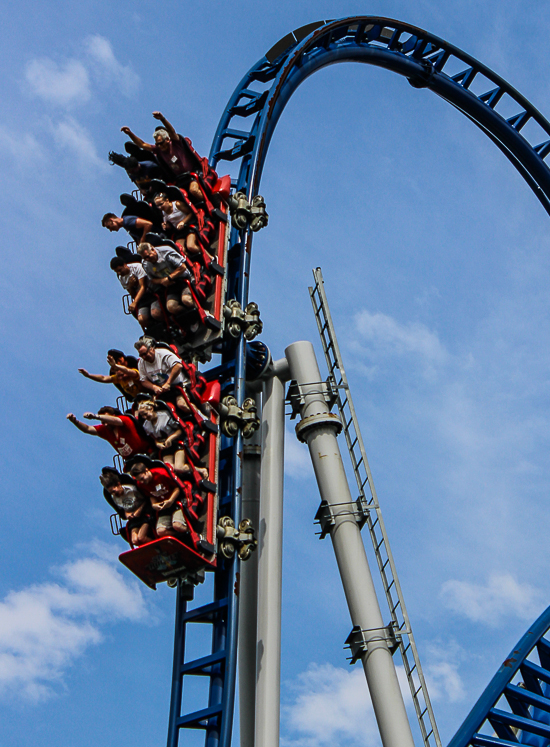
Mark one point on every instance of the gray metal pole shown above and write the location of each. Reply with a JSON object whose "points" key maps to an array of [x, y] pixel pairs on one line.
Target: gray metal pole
{"points": [[248, 588], [270, 551], [318, 428]]}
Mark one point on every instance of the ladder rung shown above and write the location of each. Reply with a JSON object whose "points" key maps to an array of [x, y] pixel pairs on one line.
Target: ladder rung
{"points": [[205, 661], [197, 716]]}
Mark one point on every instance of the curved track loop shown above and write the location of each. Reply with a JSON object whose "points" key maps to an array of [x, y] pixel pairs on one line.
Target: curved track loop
{"points": [[243, 138], [515, 706]]}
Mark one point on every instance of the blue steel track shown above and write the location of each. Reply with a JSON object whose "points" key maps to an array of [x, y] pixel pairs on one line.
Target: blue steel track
{"points": [[242, 139]]}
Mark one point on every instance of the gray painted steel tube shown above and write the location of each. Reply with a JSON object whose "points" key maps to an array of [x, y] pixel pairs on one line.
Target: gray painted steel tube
{"points": [[270, 551], [318, 428], [248, 588]]}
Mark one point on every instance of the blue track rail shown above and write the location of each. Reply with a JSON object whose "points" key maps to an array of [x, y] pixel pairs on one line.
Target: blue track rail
{"points": [[240, 145], [515, 707]]}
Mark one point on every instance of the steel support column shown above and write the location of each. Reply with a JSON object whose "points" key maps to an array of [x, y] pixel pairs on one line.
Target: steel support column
{"points": [[248, 613], [270, 552], [318, 428]]}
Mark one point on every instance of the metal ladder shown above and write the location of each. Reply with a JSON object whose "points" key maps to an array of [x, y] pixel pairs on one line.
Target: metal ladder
{"points": [[400, 624]]}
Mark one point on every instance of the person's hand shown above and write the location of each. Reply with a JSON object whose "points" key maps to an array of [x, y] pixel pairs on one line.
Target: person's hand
{"points": [[180, 225], [89, 416], [126, 130], [71, 417], [157, 389], [165, 387], [160, 506], [166, 282], [161, 445], [83, 372], [110, 360], [131, 309], [158, 115]]}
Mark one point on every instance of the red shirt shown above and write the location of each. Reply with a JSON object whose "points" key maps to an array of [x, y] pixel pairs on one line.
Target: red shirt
{"points": [[161, 486], [125, 438]]}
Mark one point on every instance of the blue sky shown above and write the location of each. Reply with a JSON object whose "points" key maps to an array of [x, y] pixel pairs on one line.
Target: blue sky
{"points": [[435, 257]]}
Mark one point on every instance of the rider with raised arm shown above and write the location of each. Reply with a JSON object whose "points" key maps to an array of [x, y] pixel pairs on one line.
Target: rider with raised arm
{"points": [[118, 429], [123, 373], [179, 156]]}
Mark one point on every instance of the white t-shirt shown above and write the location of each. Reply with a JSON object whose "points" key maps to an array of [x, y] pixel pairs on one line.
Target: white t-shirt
{"points": [[130, 500], [136, 271], [158, 370]]}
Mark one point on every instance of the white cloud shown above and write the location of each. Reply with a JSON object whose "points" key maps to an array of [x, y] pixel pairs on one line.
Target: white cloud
{"points": [[45, 627], [387, 336], [332, 706], [441, 672], [297, 461], [71, 137], [22, 147], [63, 84], [502, 596], [108, 67]]}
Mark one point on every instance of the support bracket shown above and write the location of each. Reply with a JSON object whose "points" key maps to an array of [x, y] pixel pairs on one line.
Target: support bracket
{"points": [[358, 642], [326, 519]]}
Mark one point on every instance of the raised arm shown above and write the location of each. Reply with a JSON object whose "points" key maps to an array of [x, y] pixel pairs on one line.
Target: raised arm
{"points": [[137, 140], [89, 429], [111, 420], [95, 377], [131, 373], [172, 134]]}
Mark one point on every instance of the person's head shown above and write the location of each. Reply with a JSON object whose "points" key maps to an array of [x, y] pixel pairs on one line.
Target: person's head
{"points": [[147, 409], [119, 266], [161, 138], [110, 479], [146, 348], [141, 473], [116, 355], [108, 410], [147, 251], [162, 202], [111, 221]]}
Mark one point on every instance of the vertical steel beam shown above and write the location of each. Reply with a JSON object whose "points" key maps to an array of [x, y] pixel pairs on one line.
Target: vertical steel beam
{"points": [[270, 551], [248, 588], [318, 428]]}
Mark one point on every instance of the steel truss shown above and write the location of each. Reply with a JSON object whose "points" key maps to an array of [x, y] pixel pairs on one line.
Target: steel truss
{"points": [[242, 139]]}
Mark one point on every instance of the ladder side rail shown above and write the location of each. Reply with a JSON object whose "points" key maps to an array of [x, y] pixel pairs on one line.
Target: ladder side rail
{"points": [[328, 326]]}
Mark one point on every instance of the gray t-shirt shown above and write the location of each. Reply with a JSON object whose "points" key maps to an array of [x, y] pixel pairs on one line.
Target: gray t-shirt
{"points": [[162, 428], [168, 260], [158, 370]]}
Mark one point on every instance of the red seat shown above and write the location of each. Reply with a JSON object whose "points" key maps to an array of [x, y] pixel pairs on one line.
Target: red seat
{"points": [[222, 187]]}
